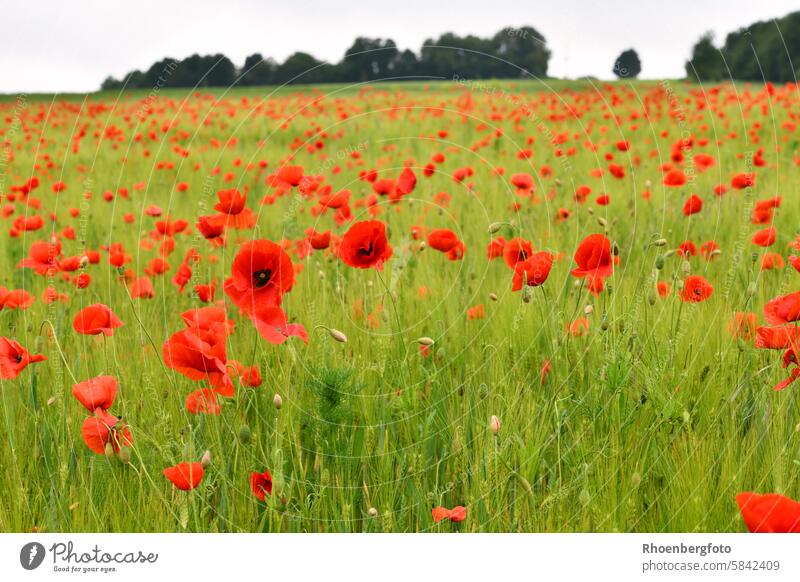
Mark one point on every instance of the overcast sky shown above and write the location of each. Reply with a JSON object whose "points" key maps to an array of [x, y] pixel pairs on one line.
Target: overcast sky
{"points": [[61, 46]]}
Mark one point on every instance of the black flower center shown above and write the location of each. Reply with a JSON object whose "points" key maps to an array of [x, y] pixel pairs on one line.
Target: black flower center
{"points": [[261, 278], [366, 251]]}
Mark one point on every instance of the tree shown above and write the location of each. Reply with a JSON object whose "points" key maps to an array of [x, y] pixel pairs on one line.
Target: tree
{"points": [[706, 62], [369, 59], [627, 65]]}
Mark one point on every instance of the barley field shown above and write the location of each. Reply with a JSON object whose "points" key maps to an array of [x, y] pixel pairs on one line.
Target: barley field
{"points": [[462, 306]]}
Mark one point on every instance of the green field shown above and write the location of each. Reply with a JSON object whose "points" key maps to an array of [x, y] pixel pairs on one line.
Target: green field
{"points": [[652, 421]]}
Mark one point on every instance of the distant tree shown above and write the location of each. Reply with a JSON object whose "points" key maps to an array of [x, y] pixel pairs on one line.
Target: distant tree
{"points": [[258, 71], [369, 59], [706, 63], [405, 64], [524, 48], [511, 53], [302, 68], [627, 65]]}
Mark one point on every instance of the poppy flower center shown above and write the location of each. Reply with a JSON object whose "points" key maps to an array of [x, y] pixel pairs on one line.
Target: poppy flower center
{"points": [[261, 278], [19, 358], [365, 252]]}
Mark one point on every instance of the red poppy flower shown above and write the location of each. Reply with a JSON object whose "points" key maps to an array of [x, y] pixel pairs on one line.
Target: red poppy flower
{"points": [[14, 358], [186, 353], [765, 237], [42, 258], [272, 324], [533, 271], [185, 476], [103, 429], [458, 513], [770, 513], [261, 484], [261, 273], [319, 240], [365, 245], [693, 205], [212, 228], [743, 325], [674, 178], [594, 257], [783, 309], [98, 392], [203, 401], [96, 319], [696, 289], [16, 299], [516, 250], [742, 181], [495, 248], [442, 239]]}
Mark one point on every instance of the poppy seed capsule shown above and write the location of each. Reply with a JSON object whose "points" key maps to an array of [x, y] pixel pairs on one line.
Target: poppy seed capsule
{"points": [[277, 401], [244, 434], [124, 454], [527, 294], [494, 424], [338, 336], [494, 227], [425, 341], [205, 460]]}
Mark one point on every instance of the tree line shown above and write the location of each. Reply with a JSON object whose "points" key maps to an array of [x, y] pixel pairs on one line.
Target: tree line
{"points": [[510, 53], [763, 51]]}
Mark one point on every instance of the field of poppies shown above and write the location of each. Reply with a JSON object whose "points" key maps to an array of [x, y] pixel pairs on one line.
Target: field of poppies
{"points": [[456, 306]]}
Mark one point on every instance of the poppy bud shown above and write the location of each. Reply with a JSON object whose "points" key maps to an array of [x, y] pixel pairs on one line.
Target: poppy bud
{"points": [[588, 310], [686, 268], [422, 246], [425, 341], [651, 297], [494, 424], [244, 434], [372, 512], [604, 323], [277, 401], [321, 275], [669, 253], [527, 294], [205, 460], [648, 184], [494, 227], [493, 296], [660, 242], [84, 262], [590, 210], [751, 289], [615, 249], [124, 454], [602, 221], [558, 181], [338, 336], [109, 450], [660, 262]]}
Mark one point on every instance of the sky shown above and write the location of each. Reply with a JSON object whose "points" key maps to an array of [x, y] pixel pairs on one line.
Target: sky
{"points": [[56, 46]]}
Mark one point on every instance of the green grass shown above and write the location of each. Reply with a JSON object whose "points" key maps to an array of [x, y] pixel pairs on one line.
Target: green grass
{"points": [[651, 422]]}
